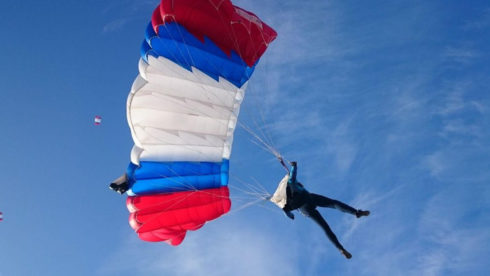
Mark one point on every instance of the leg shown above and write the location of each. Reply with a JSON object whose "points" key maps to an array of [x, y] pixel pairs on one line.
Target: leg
{"points": [[323, 201], [317, 217], [120, 185]]}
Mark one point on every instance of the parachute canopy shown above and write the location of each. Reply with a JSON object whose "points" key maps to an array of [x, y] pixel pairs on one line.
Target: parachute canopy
{"points": [[182, 110], [169, 216], [97, 120]]}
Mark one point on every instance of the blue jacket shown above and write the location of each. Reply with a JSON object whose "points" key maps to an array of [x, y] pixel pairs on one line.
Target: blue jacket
{"points": [[297, 195]]}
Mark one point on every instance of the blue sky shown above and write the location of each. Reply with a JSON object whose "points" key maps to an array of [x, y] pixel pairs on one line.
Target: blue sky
{"points": [[384, 104]]}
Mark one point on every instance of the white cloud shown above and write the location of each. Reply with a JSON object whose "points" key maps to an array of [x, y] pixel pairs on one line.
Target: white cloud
{"points": [[115, 25], [459, 126], [374, 201], [436, 163], [341, 144], [224, 248], [121, 13], [454, 101], [480, 22], [463, 55], [462, 136], [452, 245]]}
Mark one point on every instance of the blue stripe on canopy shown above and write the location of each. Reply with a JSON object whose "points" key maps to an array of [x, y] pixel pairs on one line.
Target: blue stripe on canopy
{"points": [[168, 177], [177, 44]]}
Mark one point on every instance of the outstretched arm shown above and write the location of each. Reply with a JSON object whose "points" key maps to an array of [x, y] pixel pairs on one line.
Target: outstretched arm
{"points": [[288, 212], [292, 173], [282, 163]]}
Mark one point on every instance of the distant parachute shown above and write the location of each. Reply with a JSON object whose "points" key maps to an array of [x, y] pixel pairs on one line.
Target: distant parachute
{"points": [[1, 216], [182, 110], [97, 120]]}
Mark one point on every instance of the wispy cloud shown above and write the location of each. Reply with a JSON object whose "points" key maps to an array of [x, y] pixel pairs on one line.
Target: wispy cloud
{"points": [[462, 132], [372, 200], [451, 245], [292, 94], [115, 25], [461, 55], [224, 249], [121, 13], [480, 22], [341, 144]]}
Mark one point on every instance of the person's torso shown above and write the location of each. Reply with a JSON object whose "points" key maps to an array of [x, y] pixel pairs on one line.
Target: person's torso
{"points": [[298, 195]]}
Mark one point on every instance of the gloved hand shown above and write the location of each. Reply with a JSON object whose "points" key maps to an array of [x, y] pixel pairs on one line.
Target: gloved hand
{"points": [[289, 214]]}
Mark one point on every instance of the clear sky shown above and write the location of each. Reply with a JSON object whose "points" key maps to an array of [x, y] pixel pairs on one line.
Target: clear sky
{"points": [[384, 104]]}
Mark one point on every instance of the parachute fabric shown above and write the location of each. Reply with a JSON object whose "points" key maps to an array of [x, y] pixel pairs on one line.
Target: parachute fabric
{"points": [[182, 110]]}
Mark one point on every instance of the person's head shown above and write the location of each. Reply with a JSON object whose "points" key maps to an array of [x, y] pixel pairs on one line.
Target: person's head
{"points": [[293, 163]]}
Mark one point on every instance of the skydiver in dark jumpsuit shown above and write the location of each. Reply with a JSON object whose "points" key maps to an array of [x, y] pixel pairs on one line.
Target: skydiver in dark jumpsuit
{"points": [[299, 198]]}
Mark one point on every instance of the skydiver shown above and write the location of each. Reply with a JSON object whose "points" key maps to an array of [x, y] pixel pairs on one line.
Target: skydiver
{"points": [[120, 185], [291, 195]]}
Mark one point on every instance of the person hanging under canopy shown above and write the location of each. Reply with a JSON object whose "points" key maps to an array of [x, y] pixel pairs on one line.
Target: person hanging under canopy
{"points": [[291, 195]]}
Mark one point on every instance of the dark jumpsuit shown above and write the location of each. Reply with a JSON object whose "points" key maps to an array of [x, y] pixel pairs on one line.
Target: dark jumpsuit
{"points": [[299, 198]]}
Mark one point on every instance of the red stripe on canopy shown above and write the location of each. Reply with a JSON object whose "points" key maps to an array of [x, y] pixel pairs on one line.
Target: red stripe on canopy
{"points": [[167, 217], [228, 26]]}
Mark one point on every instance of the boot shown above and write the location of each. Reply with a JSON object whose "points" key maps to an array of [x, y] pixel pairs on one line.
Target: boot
{"points": [[120, 185], [361, 213], [345, 253]]}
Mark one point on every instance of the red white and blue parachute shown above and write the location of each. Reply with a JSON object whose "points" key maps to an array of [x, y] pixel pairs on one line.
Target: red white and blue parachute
{"points": [[182, 110], [97, 120]]}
